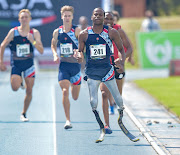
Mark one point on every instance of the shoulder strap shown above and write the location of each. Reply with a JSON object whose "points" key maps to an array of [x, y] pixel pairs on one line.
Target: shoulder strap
{"points": [[105, 29], [74, 26], [89, 29], [117, 26], [31, 31], [60, 26], [61, 29], [16, 33]]}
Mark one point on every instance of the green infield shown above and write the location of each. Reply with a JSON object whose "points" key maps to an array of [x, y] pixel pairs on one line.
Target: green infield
{"points": [[164, 90]]}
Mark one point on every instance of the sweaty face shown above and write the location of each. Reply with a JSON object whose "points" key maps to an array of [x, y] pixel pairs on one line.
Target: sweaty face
{"points": [[98, 17], [24, 18], [67, 17], [108, 20]]}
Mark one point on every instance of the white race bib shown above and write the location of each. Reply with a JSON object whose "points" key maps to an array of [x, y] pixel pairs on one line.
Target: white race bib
{"points": [[98, 51], [66, 50], [22, 50]]}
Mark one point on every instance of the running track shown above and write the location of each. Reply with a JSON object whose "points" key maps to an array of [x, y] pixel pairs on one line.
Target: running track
{"points": [[45, 135]]}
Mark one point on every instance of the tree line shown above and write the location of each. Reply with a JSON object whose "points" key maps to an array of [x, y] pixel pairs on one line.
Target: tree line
{"points": [[164, 7]]}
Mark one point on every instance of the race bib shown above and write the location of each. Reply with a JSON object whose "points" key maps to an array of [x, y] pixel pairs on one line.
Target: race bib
{"points": [[66, 50], [98, 51], [22, 50]]}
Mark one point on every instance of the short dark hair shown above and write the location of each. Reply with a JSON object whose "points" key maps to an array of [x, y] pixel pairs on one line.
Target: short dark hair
{"points": [[110, 12], [99, 8]]}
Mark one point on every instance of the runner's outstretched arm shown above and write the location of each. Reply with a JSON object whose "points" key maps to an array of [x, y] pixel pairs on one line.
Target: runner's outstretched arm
{"points": [[3, 45], [54, 45], [114, 35], [126, 43], [82, 39]]}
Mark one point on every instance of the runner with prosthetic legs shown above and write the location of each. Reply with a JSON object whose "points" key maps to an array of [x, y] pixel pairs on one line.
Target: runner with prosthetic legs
{"points": [[98, 41]]}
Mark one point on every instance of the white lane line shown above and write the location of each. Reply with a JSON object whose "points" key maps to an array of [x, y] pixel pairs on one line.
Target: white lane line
{"points": [[144, 132], [54, 118]]}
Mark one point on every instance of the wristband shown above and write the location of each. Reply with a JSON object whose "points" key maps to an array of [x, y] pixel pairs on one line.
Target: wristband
{"points": [[34, 42]]}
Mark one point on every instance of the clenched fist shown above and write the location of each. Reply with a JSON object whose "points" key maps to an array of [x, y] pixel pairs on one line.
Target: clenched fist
{"points": [[78, 55], [30, 37], [2, 67], [119, 64]]}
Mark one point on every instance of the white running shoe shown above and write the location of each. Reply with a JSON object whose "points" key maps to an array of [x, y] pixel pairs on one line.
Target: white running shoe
{"points": [[23, 118], [68, 125]]}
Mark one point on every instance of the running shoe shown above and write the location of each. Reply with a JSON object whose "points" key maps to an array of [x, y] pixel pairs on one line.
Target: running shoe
{"points": [[111, 110], [23, 118], [107, 129], [68, 125]]}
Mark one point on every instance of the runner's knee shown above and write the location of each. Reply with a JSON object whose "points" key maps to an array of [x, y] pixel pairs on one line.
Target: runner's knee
{"points": [[15, 87], [75, 97], [65, 92], [104, 94], [15, 83], [29, 91]]}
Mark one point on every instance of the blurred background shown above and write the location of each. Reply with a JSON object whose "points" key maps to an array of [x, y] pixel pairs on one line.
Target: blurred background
{"points": [[46, 18]]}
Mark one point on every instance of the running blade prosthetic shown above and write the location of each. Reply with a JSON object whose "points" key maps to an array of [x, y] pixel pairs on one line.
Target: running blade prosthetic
{"points": [[101, 137], [123, 128]]}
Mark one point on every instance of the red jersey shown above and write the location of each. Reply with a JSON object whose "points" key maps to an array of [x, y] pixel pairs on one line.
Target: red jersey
{"points": [[116, 26]]}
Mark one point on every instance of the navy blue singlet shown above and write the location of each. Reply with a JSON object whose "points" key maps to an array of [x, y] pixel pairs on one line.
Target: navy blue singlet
{"points": [[98, 51], [22, 51], [67, 42]]}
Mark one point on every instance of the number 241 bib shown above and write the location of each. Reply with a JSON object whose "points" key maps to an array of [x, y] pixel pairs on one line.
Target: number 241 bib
{"points": [[98, 51]]}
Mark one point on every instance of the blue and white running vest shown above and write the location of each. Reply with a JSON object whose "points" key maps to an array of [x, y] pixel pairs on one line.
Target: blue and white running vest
{"points": [[98, 49], [67, 43]]}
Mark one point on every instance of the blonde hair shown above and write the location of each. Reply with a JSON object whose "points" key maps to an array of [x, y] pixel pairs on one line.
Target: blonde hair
{"points": [[24, 10], [67, 8]]}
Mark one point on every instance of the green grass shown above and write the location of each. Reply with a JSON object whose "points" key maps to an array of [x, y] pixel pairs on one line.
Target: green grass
{"points": [[166, 91], [132, 25]]}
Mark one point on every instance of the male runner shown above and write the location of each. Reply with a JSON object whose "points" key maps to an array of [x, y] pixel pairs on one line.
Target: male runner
{"points": [[116, 18], [98, 42], [69, 69], [22, 41], [118, 76]]}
